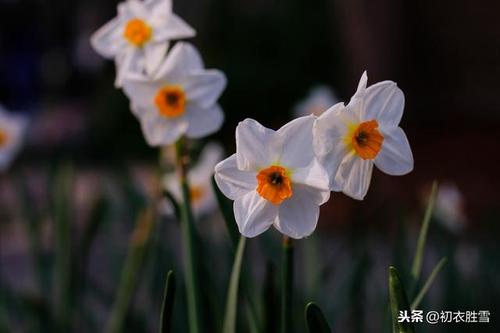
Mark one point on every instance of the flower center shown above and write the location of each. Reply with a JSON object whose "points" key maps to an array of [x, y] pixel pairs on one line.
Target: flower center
{"points": [[366, 139], [196, 193], [137, 32], [171, 101], [274, 184], [4, 138]]}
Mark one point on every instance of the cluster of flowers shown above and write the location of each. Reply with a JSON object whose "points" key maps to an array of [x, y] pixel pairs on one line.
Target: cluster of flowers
{"points": [[171, 92], [275, 178], [281, 177]]}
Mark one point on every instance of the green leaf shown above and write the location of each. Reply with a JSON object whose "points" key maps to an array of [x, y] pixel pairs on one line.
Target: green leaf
{"points": [[428, 283], [62, 261], [175, 205], [399, 302], [232, 294], [315, 320], [189, 242], [168, 304], [419, 252], [287, 285], [131, 270], [253, 322], [226, 207]]}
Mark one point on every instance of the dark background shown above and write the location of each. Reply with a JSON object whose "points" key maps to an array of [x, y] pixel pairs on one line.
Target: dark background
{"points": [[444, 55]]}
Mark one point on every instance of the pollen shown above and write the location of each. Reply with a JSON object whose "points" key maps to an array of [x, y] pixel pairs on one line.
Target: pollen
{"points": [[366, 140], [171, 101], [4, 138], [137, 32], [273, 184]]}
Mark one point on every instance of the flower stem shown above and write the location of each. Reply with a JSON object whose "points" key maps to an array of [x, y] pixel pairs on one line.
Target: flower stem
{"points": [[189, 244], [286, 284]]}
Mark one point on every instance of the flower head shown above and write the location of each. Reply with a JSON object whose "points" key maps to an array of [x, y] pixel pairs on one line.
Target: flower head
{"points": [[320, 98], [139, 36], [350, 139], [199, 177], [181, 99], [274, 178], [12, 131]]}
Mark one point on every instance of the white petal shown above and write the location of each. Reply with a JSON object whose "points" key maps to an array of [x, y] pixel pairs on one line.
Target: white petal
{"points": [[354, 176], [171, 27], [297, 137], [298, 216], [108, 40], [256, 146], [395, 157], [254, 214], [329, 132], [154, 54], [205, 87], [314, 176], [203, 122], [233, 182], [126, 64], [384, 102], [136, 8], [141, 93], [182, 60], [159, 130]]}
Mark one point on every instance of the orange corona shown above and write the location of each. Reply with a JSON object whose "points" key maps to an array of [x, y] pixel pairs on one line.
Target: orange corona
{"points": [[171, 101], [196, 193], [137, 32], [3, 138], [274, 184], [366, 139]]}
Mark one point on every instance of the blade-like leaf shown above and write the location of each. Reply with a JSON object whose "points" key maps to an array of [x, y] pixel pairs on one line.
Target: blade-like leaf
{"points": [[428, 283], [168, 304], [232, 294], [131, 270], [399, 303], [175, 205], [315, 320], [422, 237], [226, 207]]}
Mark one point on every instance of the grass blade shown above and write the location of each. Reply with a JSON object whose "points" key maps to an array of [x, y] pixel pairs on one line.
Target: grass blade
{"points": [[399, 302], [422, 237], [315, 320], [62, 260], [133, 262], [428, 283], [232, 294], [226, 207], [286, 285], [168, 304], [189, 243]]}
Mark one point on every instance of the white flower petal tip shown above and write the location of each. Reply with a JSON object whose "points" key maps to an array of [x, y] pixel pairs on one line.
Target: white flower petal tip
{"points": [[271, 176], [180, 100], [350, 139], [146, 28], [13, 128]]}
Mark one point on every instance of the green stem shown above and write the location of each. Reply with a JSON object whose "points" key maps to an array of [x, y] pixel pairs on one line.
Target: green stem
{"points": [[188, 237], [286, 285]]}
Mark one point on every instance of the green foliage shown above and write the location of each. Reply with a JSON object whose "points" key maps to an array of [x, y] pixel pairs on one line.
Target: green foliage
{"points": [[315, 320], [399, 302], [168, 303]]}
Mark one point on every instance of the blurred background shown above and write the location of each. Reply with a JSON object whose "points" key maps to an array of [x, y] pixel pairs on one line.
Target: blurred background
{"points": [[445, 56]]}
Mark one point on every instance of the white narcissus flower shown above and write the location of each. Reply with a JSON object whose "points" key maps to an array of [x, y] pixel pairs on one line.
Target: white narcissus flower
{"points": [[274, 179], [450, 207], [138, 37], [203, 199], [12, 131], [350, 139], [319, 100], [181, 99]]}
